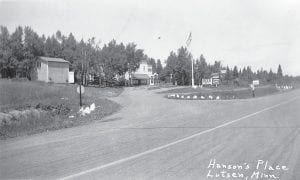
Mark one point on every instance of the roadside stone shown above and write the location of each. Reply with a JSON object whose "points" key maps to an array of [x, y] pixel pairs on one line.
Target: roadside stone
{"points": [[92, 107], [5, 119], [16, 114]]}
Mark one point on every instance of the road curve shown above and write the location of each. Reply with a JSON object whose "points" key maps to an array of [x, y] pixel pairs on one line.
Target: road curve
{"points": [[157, 138]]}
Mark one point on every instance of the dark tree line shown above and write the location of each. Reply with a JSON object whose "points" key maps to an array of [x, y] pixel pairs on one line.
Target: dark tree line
{"points": [[178, 65], [20, 50]]}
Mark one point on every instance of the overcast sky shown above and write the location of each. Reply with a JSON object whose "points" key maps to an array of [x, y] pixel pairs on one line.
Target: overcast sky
{"points": [[259, 33]]}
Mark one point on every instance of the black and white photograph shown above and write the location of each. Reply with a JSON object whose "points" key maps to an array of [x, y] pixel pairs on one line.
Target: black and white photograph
{"points": [[150, 89]]}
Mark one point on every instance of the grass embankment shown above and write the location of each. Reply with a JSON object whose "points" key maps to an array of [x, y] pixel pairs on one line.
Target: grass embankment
{"points": [[33, 107], [223, 93]]}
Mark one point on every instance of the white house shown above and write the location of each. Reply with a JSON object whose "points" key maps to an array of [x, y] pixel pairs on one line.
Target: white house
{"points": [[143, 75]]}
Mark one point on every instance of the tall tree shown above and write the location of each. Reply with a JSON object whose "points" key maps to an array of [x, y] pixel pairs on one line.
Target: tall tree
{"points": [[249, 74], [115, 60], [69, 51], [17, 48], [217, 67], [179, 65], [228, 75], [235, 72], [279, 72], [170, 69], [133, 56], [6, 62], [159, 67], [202, 70], [152, 62], [33, 47], [271, 77]]}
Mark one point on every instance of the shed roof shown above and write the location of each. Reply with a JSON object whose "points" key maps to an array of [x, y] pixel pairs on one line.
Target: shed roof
{"points": [[50, 59]]}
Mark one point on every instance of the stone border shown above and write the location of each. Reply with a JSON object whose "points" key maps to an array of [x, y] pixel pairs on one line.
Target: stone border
{"points": [[194, 97], [214, 97]]}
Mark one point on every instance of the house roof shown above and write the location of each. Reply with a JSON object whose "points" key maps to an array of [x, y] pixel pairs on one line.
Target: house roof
{"points": [[144, 61], [140, 76], [50, 59]]}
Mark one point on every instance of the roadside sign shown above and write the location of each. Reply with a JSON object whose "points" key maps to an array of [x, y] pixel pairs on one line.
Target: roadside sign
{"points": [[71, 77], [255, 82], [207, 81], [216, 81], [82, 89], [215, 75]]}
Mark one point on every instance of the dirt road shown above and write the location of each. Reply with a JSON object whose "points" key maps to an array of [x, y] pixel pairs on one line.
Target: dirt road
{"points": [[156, 138]]}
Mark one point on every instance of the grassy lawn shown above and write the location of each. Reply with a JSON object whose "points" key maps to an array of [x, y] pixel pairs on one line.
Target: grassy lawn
{"points": [[224, 92], [38, 106]]}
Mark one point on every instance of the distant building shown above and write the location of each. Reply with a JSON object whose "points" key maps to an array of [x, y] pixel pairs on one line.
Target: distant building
{"points": [[52, 70], [143, 75], [216, 78]]}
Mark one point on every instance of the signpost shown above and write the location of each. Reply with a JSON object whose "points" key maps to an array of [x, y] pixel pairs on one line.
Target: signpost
{"points": [[80, 91], [207, 81], [252, 88], [255, 82], [216, 81]]}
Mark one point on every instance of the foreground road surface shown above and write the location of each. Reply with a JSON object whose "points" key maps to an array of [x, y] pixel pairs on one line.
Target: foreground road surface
{"points": [[156, 138]]}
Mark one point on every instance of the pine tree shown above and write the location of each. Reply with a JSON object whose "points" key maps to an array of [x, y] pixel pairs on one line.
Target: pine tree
{"points": [[279, 71], [235, 72], [279, 76]]}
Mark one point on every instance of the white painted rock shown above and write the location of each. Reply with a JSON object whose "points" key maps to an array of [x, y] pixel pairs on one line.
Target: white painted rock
{"points": [[182, 97], [202, 97], [195, 97], [218, 97], [92, 107], [210, 97], [188, 97], [87, 110]]}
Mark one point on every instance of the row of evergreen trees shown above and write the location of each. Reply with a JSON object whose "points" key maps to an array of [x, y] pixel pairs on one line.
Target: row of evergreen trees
{"points": [[19, 52], [178, 65]]}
